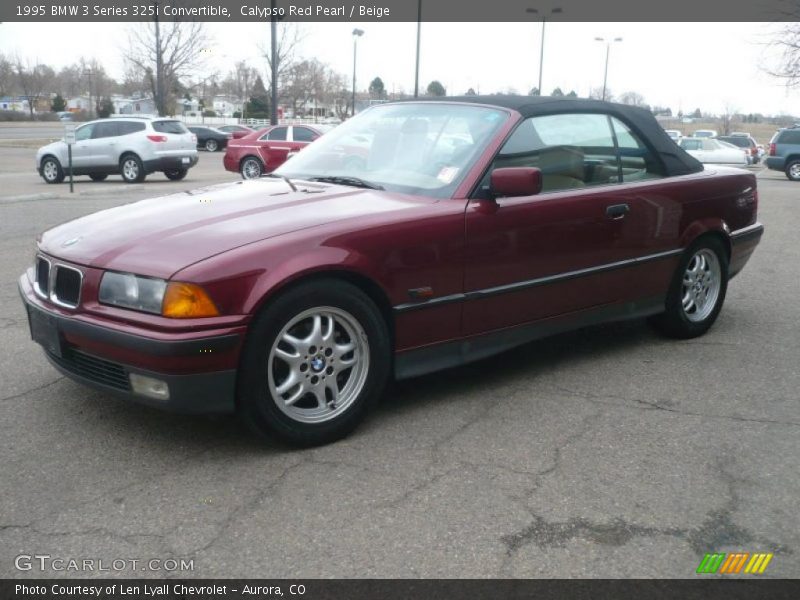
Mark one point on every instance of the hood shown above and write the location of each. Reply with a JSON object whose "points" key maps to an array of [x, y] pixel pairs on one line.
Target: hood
{"points": [[161, 236], [51, 148]]}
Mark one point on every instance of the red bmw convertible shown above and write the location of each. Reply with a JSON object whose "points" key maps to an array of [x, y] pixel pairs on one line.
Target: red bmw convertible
{"points": [[415, 237]]}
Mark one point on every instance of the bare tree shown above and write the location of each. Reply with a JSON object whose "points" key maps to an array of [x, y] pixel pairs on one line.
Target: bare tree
{"points": [[164, 53], [727, 118], [597, 94], [33, 81], [630, 98], [6, 76], [787, 44], [289, 38], [69, 81], [94, 81]]}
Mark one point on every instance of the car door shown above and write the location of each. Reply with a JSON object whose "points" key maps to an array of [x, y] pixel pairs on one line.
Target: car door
{"points": [[573, 246], [103, 145], [274, 147], [82, 148], [301, 137]]}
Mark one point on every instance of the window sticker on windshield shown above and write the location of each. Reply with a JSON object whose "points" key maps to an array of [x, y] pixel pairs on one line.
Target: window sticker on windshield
{"points": [[447, 174]]}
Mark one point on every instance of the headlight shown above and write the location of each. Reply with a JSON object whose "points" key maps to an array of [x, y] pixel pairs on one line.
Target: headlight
{"points": [[130, 291], [174, 299]]}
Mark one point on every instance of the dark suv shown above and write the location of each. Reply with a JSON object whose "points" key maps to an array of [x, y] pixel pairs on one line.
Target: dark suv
{"points": [[784, 152]]}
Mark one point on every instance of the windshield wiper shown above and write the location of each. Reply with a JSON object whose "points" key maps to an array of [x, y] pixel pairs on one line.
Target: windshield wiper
{"points": [[346, 180], [286, 179]]}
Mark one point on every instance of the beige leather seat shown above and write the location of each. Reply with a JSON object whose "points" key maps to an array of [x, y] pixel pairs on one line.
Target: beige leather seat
{"points": [[562, 168]]}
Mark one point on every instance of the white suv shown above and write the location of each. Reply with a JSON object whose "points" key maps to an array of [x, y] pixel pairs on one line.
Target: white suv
{"points": [[132, 147]]}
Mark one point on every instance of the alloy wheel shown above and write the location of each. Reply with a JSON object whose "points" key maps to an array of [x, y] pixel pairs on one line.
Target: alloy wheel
{"points": [[701, 285], [318, 365]]}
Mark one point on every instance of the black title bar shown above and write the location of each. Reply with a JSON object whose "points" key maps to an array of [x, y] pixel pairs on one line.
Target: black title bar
{"points": [[34, 11], [401, 589]]}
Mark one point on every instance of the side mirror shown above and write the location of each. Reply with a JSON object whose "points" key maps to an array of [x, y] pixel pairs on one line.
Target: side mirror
{"points": [[516, 181]]}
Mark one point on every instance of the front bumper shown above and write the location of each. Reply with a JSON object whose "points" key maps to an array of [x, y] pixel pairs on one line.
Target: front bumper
{"points": [[192, 393]]}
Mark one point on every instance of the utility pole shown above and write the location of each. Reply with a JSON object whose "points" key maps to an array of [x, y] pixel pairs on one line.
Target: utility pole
{"points": [[273, 109]]}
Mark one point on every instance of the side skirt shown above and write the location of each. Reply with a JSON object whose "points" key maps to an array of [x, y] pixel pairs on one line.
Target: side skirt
{"points": [[413, 363]]}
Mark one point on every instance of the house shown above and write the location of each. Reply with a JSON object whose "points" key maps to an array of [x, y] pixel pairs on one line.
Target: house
{"points": [[15, 103], [79, 103], [225, 106], [141, 106]]}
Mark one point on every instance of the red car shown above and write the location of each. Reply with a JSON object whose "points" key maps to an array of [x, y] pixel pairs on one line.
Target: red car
{"points": [[265, 150], [466, 227]]}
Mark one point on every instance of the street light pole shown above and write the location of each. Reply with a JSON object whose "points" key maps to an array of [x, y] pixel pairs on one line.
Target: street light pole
{"points": [[419, 33], [535, 11], [273, 109], [608, 51], [357, 33]]}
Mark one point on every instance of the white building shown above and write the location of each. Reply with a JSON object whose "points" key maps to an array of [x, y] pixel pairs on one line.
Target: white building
{"points": [[225, 106]]}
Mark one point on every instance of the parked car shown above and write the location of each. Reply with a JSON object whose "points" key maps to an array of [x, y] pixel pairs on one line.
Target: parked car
{"points": [[784, 152], [210, 138], [715, 152], [746, 143], [65, 116], [674, 134], [740, 134], [705, 133], [236, 131], [265, 150], [293, 299], [132, 147]]}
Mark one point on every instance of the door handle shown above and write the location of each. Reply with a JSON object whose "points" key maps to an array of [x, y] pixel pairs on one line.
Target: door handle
{"points": [[617, 211]]}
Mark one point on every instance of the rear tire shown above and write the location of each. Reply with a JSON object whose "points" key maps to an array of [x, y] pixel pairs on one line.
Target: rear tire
{"points": [[98, 176], [212, 145], [697, 291], [51, 170], [251, 168], [131, 169], [793, 170], [176, 174], [317, 330]]}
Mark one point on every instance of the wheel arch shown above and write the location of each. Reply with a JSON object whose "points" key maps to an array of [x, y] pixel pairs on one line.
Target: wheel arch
{"points": [[365, 283], [251, 155], [708, 228], [50, 155]]}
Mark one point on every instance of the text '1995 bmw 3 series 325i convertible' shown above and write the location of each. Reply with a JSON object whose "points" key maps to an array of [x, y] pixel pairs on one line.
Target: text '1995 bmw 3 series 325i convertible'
{"points": [[415, 237]]}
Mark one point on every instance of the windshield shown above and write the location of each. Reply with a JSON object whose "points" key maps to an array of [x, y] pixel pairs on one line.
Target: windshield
{"points": [[416, 148]]}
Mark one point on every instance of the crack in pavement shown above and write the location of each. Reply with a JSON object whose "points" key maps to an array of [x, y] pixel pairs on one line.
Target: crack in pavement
{"points": [[716, 531], [35, 389], [660, 405], [260, 495]]}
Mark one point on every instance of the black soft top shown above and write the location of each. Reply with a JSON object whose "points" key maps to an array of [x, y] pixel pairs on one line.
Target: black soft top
{"points": [[676, 160]]}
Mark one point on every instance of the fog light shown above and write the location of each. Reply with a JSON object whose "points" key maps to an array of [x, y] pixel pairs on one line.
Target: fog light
{"points": [[147, 386]]}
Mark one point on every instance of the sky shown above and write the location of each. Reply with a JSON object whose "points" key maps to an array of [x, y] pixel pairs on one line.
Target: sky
{"points": [[711, 66]]}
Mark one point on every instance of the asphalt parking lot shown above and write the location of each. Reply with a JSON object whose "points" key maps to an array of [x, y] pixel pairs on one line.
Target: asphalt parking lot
{"points": [[607, 452]]}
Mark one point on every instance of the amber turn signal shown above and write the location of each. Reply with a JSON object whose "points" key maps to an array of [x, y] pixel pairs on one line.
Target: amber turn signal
{"points": [[187, 301]]}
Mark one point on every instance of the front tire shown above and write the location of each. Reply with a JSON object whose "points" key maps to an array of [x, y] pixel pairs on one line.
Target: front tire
{"points": [[251, 168], [316, 358], [131, 169], [793, 170], [52, 171], [176, 174], [697, 291], [212, 145]]}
